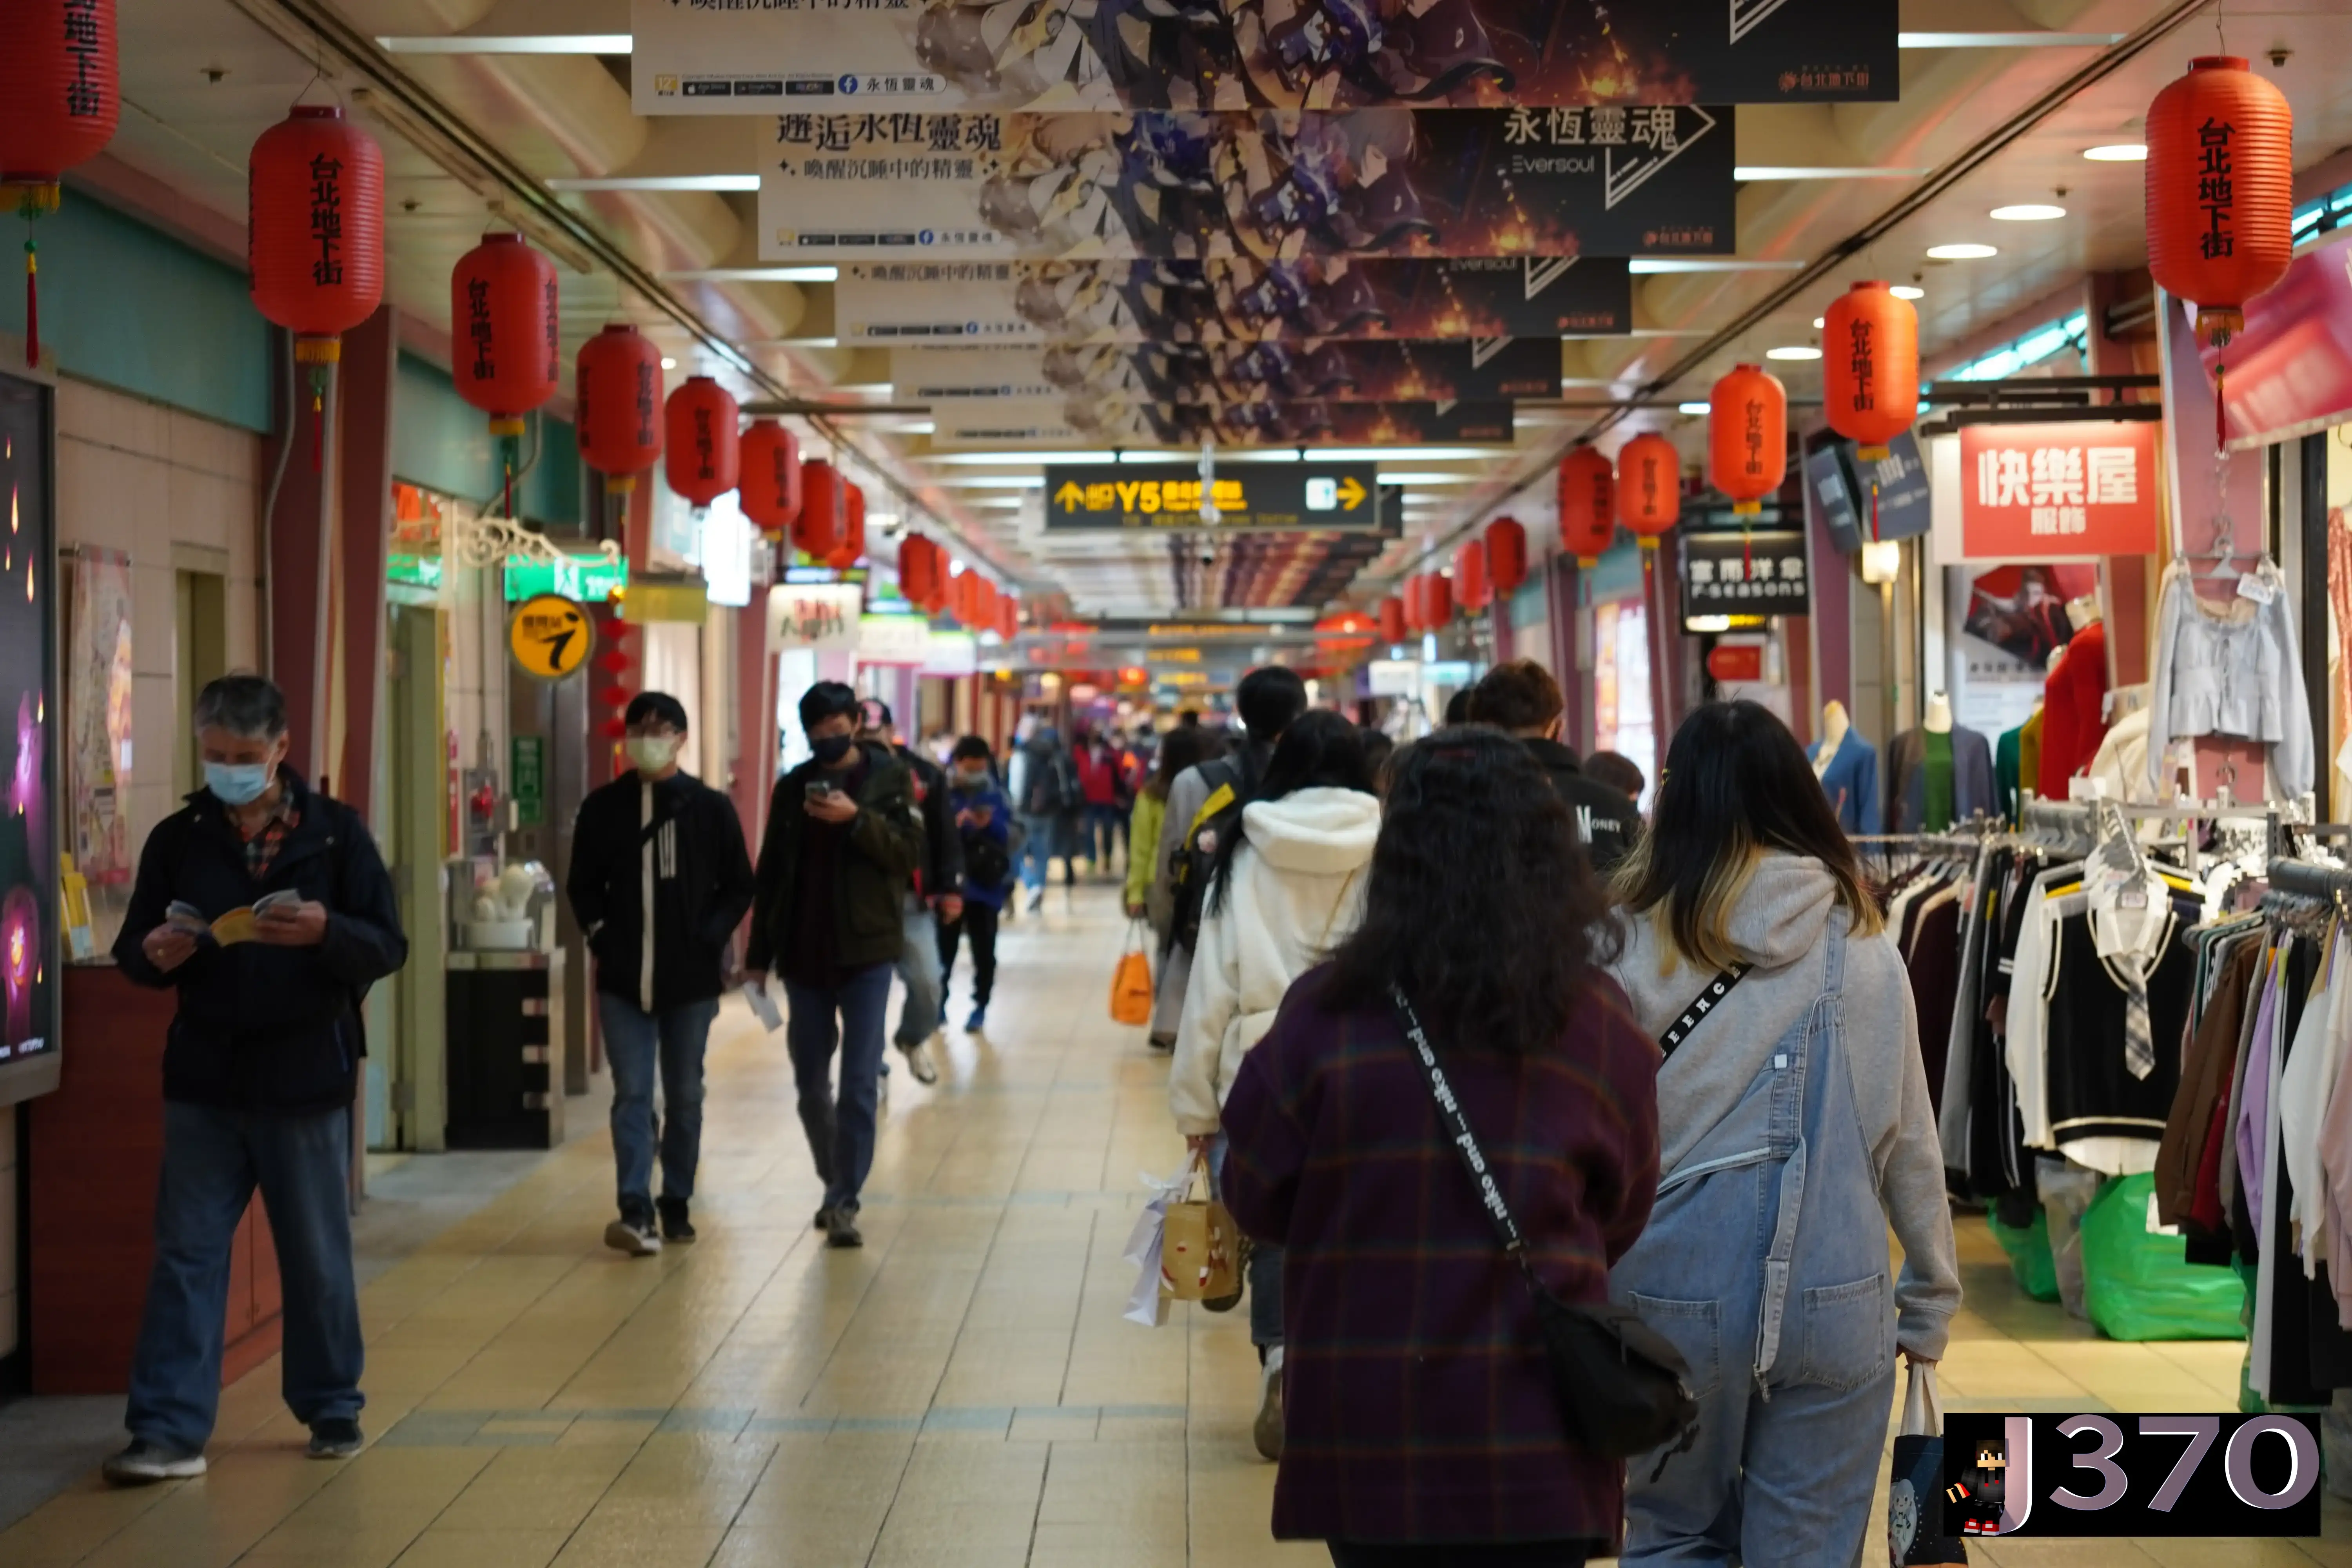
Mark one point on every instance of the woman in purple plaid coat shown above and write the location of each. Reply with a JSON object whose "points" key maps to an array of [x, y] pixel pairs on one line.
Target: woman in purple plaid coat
{"points": [[1422, 1426]]}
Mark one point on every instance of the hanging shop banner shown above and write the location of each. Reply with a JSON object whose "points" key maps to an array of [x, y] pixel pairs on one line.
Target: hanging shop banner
{"points": [[824, 616], [1628, 180], [1829, 492], [951, 654], [893, 639], [1090, 496], [2289, 368], [1018, 424], [1241, 300], [1237, 373], [730, 57], [1758, 572], [98, 715], [2061, 492]]}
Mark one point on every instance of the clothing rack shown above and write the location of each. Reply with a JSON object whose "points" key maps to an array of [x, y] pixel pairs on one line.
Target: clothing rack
{"points": [[2306, 880]]}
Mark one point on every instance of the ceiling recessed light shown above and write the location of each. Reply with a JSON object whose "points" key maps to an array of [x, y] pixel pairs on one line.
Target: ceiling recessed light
{"points": [[533, 44], [1819, 321], [2028, 212], [1906, 291], [1693, 407], [658, 183], [2117, 152], [669, 363], [1793, 350], [1962, 252]]}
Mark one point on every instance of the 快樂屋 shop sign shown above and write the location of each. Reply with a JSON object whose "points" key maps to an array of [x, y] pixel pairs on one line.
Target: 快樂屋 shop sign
{"points": [[1732, 572], [728, 57], [1237, 373], [2067, 492]]}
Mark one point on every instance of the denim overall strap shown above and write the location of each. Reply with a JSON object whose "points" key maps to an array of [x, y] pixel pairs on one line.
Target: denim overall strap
{"points": [[1798, 1104]]}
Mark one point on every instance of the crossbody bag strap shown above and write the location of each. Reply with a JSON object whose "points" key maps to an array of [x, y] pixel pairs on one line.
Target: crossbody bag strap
{"points": [[1458, 1134], [1705, 1003]]}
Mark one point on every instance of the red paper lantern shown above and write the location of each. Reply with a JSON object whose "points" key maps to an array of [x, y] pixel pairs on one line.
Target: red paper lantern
{"points": [[984, 600], [1649, 487], [853, 540], [1393, 623], [59, 103], [960, 581], [505, 355], [1008, 618], [1870, 367], [1588, 505], [617, 377], [1747, 437], [1416, 613], [770, 465], [2220, 183], [823, 526], [703, 454], [1471, 590], [1507, 555], [1437, 602], [919, 569], [315, 229]]}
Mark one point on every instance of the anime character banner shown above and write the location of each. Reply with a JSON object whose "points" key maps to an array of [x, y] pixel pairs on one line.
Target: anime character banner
{"points": [[1236, 301], [1095, 422], [1227, 374], [728, 57], [1274, 186]]}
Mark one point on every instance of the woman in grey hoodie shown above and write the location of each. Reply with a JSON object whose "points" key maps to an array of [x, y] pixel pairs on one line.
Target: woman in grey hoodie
{"points": [[1794, 1130]]}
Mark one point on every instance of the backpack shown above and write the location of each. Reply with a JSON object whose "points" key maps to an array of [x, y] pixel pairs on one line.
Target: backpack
{"points": [[1230, 785], [1052, 786], [986, 863]]}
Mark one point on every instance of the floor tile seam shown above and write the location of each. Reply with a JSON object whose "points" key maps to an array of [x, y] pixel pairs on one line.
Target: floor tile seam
{"points": [[479, 1257], [1070, 1347]]}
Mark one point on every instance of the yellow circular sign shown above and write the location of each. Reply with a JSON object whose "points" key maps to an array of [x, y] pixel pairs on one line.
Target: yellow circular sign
{"points": [[550, 636]]}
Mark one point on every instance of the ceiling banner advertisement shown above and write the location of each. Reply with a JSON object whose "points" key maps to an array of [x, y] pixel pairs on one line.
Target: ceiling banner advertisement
{"points": [[1238, 373], [1756, 572], [2289, 368], [1624, 180], [712, 57], [2074, 491], [1234, 300], [1098, 497], [1048, 425]]}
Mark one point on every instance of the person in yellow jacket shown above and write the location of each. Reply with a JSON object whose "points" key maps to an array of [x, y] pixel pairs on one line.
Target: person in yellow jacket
{"points": [[1148, 895]]}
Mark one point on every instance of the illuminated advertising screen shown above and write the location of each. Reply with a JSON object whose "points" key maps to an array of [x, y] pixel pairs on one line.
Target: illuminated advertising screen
{"points": [[28, 720]]}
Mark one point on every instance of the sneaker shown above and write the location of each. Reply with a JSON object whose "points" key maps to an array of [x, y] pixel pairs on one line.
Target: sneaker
{"points": [[977, 1021], [843, 1230], [1036, 899], [636, 1237], [919, 1062], [674, 1226], [1159, 1043], [1267, 1430], [144, 1463], [337, 1438], [825, 1219]]}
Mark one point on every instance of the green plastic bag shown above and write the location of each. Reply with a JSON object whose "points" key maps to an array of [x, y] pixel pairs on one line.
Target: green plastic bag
{"points": [[2029, 1255], [2136, 1281]]}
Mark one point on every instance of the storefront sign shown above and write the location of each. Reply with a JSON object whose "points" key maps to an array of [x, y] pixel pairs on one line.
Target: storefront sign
{"points": [[550, 637], [893, 639], [1014, 424], [1623, 180], [527, 779], [1729, 662], [586, 579], [1393, 676], [1758, 573], [822, 616], [1234, 299], [737, 59], [1904, 496], [1830, 492], [1236, 373], [2056, 492], [2289, 369], [951, 654], [1247, 497]]}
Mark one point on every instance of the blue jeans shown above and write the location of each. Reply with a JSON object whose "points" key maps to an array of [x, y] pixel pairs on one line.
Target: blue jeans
{"points": [[1104, 829], [1037, 849], [1265, 1281], [213, 1159], [672, 1037], [840, 1137], [919, 966]]}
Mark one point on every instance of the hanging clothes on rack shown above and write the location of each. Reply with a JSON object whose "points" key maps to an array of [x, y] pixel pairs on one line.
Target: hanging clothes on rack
{"points": [[2231, 668], [2074, 709]]}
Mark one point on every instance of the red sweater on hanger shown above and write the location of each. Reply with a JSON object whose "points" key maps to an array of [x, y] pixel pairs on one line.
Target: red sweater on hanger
{"points": [[2073, 705]]}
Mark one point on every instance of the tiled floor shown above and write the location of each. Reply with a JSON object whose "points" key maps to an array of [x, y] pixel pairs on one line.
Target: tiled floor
{"points": [[962, 1392]]}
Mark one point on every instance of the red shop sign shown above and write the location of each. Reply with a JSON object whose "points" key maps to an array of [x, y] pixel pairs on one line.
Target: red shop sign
{"points": [[2034, 493], [1734, 662]]}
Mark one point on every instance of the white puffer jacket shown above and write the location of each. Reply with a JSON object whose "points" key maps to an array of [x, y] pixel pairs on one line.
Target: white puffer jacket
{"points": [[1296, 891]]}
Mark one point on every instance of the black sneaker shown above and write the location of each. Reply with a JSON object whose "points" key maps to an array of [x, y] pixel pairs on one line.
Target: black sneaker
{"points": [[635, 1237], [842, 1231], [339, 1437], [825, 1219], [144, 1463], [674, 1226]]}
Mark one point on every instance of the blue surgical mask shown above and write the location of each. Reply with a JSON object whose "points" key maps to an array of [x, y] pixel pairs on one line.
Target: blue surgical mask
{"points": [[236, 783]]}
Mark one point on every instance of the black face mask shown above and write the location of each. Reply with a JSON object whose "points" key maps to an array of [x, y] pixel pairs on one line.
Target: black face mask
{"points": [[832, 748]]}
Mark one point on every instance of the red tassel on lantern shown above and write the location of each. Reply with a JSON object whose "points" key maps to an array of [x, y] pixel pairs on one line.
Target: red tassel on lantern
{"points": [[1747, 437], [702, 455], [59, 103], [617, 377], [1870, 367], [769, 471], [1588, 505], [1392, 627], [503, 325], [1507, 555], [1649, 487], [852, 541], [2220, 186], [824, 523], [1471, 590], [919, 566]]}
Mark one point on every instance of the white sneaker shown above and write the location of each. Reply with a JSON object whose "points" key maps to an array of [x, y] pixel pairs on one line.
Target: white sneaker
{"points": [[143, 1462], [919, 1062], [1268, 1428], [637, 1241]]}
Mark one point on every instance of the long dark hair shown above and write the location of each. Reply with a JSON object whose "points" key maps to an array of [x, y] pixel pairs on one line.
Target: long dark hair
{"points": [[1736, 786], [1183, 747], [1481, 905], [1321, 750]]}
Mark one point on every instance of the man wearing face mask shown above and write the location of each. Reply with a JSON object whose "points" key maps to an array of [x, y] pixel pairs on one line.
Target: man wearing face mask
{"points": [[983, 820], [842, 842], [659, 881], [259, 1073]]}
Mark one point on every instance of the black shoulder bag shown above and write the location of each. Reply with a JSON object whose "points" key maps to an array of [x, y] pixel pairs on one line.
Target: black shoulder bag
{"points": [[1624, 1389]]}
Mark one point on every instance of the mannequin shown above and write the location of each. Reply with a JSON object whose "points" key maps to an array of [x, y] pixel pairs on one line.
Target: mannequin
{"points": [[1939, 721], [1938, 774], [2083, 612], [1834, 724], [1847, 765]]}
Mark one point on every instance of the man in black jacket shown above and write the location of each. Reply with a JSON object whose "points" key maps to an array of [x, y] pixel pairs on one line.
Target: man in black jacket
{"points": [[258, 1074], [937, 884], [659, 881], [843, 838], [1522, 698]]}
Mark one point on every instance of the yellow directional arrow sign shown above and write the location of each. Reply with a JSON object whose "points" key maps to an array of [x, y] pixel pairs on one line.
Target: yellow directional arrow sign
{"points": [[1351, 493], [550, 635], [1069, 498]]}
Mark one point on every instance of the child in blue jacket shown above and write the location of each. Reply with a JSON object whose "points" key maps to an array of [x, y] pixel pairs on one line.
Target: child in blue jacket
{"points": [[984, 816]]}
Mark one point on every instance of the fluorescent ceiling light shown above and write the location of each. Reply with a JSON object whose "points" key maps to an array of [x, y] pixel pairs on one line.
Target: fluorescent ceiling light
{"points": [[916, 428], [1430, 478], [2005, 40], [756, 275], [2028, 212], [1962, 252], [990, 481], [1657, 264], [995, 501], [1029, 459], [661, 183], [2117, 152], [1753, 172], [1906, 291], [1793, 350], [538, 43], [669, 363], [1708, 625], [1819, 321], [1696, 408], [1386, 455]]}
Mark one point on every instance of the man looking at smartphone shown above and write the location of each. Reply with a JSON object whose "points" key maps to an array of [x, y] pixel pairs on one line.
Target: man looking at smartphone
{"points": [[843, 838]]}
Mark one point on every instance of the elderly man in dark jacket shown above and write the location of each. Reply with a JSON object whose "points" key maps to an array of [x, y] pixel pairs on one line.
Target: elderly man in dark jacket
{"points": [[265, 904], [843, 838]]}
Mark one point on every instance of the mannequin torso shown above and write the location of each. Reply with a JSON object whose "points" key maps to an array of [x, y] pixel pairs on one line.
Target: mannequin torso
{"points": [[1834, 725], [1938, 720]]}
